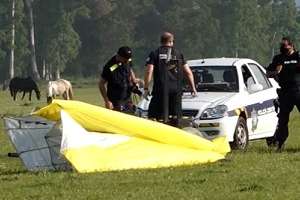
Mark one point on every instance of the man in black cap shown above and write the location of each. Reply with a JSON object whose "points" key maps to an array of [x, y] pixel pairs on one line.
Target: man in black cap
{"points": [[117, 80], [285, 68]]}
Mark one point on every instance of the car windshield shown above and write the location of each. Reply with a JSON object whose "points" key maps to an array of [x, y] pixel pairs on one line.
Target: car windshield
{"points": [[214, 79]]}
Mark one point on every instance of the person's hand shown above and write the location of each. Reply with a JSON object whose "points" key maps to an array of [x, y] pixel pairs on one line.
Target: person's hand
{"points": [[271, 74], [194, 93], [146, 94], [109, 105]]}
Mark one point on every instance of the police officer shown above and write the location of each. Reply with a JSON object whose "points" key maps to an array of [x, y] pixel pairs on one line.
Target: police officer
{"points": [[116, 81], [165, 64], [285, 68]]}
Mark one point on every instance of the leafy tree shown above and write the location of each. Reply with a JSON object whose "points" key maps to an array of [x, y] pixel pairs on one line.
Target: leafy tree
{"points": [[284, 21], [194, 27], [59, 43], [20, 46], [77, 37], [29, 8], [4, 38]]}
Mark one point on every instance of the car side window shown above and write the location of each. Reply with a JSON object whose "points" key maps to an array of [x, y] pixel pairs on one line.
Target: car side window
{"points": [[260, 76], [247, 77]]}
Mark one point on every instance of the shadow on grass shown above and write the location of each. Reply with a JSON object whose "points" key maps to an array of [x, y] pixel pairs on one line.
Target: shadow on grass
{"points": [[27, 104], [250, 188], [20, 171], [292, 150], [192, 181], [271, 150], [265, 150], [13, 172]]}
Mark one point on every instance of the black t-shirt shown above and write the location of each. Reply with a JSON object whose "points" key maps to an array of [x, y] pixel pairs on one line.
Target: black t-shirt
{"points": [[117, 76], [158, 59], [289, 76]]}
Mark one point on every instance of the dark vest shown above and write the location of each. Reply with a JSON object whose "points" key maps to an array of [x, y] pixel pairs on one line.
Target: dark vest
{"points": [[289, 77], [167, 71], [118, 87]]}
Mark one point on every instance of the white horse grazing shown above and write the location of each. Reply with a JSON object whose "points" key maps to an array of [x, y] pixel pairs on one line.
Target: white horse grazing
{"points": [[59, 87]]}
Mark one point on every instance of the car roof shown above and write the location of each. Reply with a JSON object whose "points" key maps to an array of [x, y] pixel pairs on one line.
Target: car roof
{"points": [[218, 61]]}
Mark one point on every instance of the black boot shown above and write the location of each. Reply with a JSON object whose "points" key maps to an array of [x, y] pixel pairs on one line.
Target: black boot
{"points": [[271, 142], [280, 147]]}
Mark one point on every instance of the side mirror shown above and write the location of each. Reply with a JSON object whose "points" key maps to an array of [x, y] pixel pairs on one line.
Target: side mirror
{"points": [[255, 88]]}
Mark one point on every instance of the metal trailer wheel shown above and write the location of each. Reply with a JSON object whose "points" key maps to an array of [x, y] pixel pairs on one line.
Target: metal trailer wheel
{"points": [[240, 137]]}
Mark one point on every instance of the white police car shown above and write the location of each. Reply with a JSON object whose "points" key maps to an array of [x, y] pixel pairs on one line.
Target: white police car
{"points": [[235, 98]]}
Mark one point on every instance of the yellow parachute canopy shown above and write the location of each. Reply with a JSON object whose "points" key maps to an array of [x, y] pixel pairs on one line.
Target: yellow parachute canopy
{"points": [[98, 139]]}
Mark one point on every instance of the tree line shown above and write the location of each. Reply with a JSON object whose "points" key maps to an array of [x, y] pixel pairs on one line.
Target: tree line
{"points": [[44, 38]]}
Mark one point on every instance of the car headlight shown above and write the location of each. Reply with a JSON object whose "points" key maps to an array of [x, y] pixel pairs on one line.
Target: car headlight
{"points": [[214, 113]]}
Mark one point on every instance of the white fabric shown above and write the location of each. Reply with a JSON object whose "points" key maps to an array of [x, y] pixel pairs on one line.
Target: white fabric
{"points": [[75, 136]]}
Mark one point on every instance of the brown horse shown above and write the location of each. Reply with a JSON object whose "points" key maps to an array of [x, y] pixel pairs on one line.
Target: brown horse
{"points": [[24, 85], [59, 87]]}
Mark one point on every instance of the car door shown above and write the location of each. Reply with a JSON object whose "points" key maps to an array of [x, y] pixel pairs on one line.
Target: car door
{"points": [[263, 118], [251, 101]]}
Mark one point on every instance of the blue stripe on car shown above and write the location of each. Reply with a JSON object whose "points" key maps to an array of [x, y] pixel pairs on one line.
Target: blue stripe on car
{"points": [[257, 106]]}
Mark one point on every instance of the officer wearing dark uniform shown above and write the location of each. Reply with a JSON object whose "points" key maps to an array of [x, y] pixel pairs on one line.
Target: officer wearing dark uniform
{"points": [[166, 64], [116, 81], [285, 67]]}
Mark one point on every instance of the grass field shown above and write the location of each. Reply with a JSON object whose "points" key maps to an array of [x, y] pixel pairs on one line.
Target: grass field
{"points": [[255, 174]]}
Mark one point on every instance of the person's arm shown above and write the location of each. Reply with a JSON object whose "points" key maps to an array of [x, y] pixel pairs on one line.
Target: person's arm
{"points": [[150, 63], [278, 68], [274, 68], [133, 78], [273, 73], [189, 74], [148, 76], [103, 90]]}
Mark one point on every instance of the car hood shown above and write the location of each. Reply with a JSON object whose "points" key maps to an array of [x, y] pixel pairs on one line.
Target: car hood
{"points": [[205, 100]]}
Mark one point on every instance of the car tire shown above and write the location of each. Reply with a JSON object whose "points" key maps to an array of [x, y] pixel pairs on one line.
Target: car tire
{"points": [[240, 137]]}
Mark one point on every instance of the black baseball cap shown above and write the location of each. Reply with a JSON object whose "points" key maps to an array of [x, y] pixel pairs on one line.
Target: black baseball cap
{"points": [[125, 52]]}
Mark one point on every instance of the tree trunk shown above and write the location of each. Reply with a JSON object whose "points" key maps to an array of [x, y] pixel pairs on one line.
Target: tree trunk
{"points": [[50, 71], [57, 74], [28, 4], [12, 50], [44, 69]]}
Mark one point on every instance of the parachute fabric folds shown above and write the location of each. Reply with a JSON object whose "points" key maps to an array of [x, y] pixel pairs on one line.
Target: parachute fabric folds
{"points": [[90, 151], [128, 142]]}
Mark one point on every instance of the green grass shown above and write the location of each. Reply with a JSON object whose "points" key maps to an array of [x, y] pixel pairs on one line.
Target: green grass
{"points": [[254, 174]]}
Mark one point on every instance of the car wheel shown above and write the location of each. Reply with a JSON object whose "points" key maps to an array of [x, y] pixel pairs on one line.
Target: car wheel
{"points": [[240, 137]]}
